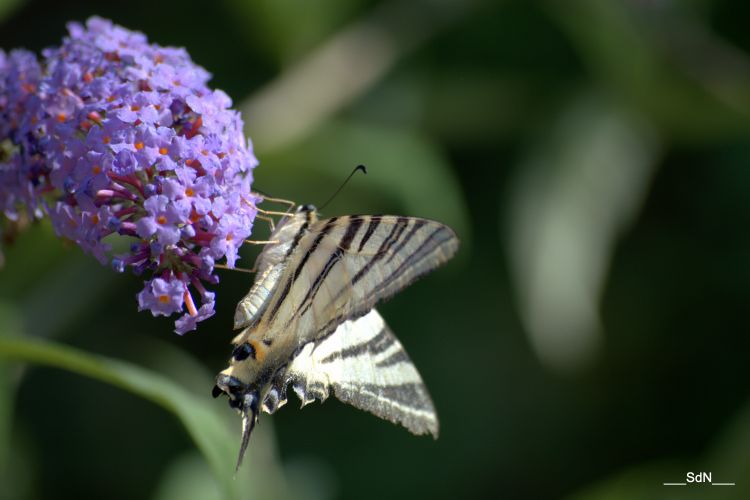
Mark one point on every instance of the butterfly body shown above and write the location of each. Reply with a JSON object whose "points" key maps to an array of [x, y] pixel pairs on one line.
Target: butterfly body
{"points": [[309, 319]]}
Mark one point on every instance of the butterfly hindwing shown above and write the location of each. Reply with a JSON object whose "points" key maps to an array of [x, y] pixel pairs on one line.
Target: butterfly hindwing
{"points": [[364, 365]]}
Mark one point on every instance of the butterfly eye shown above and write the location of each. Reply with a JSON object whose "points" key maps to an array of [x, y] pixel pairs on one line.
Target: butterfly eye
{"points": [[243, 351], [306, 208]]}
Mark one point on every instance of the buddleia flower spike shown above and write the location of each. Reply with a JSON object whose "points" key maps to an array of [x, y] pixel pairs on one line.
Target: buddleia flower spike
{"points": [[109, 134]]}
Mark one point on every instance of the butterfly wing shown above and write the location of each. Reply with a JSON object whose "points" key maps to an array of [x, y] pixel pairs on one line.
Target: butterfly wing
{"points": [[366, 366], [344, 266], [269, 266]]}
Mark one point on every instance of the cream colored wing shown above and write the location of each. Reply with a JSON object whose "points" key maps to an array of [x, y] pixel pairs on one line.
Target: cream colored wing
{"points": [[270, 264], [343, 266], [364, 365]]}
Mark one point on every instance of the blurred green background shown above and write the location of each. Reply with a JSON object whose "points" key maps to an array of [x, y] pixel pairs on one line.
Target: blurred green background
{"points": [[589, 341]]}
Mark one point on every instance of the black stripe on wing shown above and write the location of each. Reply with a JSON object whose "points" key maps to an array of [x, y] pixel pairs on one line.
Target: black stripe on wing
{"points": [[418, 223], [307, 302], [431, 244], [354, 223], [371, 227], [290, 281], [298, 236], [385, 246], [374, 345], [391, 246]]}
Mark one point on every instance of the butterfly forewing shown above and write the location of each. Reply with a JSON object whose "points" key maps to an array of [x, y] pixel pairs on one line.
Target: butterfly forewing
{"points": [[344, 266]]}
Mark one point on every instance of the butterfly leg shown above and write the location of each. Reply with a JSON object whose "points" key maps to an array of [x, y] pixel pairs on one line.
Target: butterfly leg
{"points": [[280, 200], [269, 220], [276, 396]]}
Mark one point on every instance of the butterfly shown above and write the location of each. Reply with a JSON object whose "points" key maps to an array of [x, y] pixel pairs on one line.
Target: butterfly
{"points": [[309, 320]]}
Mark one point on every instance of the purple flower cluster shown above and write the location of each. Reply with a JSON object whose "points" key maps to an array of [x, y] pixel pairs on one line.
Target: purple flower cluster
{"points": [[112, 135]]}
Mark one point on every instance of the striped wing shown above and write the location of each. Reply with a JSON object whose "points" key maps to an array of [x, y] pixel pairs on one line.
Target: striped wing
{"points": [[343, 266], [269, 267], [366, 366]]}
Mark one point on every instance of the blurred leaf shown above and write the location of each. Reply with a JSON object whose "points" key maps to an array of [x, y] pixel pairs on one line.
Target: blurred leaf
{"points": [[10, 323], [199, 416], [287, 28], [728, 461], [342, 68], [475, 109], [621, 51], [40, 270], [729, 455], [50, 307], [311, 478], [643, 482], [402, 166], [37, 244], [8, 6], [188, 477], [571, 200]]}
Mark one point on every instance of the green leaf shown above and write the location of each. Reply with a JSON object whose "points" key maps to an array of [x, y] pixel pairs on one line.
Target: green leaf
{"points": [[8, 6], [287, 28], [623, 52], [217, 443], [570, 201]]}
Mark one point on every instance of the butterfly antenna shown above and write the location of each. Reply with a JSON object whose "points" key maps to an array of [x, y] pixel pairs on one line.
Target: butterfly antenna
{"points": [[358, 167]]}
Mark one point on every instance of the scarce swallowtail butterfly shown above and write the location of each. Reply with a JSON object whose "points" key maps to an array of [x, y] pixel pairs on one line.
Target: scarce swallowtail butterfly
{"points": [[308, 320]]}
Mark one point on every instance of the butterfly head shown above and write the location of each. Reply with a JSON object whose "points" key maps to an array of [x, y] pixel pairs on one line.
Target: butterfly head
{"points": [[306, 208], [243, 397]]}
